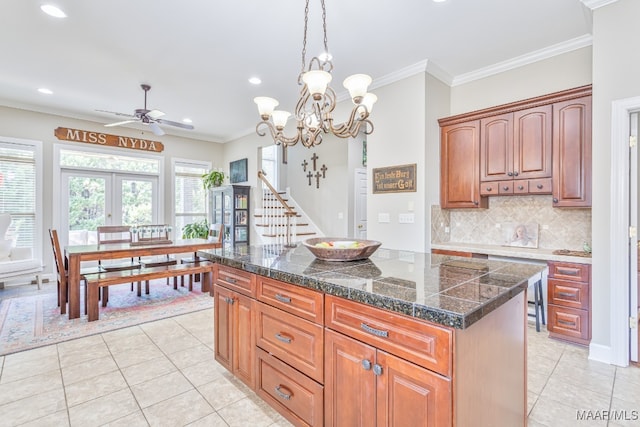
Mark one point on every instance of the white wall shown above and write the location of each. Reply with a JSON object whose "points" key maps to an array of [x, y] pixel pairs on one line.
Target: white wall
{"points": [[24, 124], [398, 139], [615, 76]]}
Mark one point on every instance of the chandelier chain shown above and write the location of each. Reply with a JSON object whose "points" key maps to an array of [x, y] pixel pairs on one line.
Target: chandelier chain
{"points": [[304, 39], [324, 28]]}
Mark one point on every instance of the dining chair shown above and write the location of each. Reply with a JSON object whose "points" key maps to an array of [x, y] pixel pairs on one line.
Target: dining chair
{"points": [[151, 234], [63, 274], [216, 233], [115, 234]]}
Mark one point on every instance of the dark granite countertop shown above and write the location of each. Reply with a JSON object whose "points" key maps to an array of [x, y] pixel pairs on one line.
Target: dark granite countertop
{"points": [[448, 290]]}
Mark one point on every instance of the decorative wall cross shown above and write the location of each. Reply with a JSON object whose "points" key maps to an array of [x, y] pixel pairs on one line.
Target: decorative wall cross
{"points": [[318, 175]]}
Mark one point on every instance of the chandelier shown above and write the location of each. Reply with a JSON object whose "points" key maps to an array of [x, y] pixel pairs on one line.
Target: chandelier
{"points": [[314, 111]]}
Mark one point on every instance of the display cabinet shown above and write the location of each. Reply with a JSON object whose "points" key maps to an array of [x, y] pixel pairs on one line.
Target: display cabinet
{"points": [[230, 206]]}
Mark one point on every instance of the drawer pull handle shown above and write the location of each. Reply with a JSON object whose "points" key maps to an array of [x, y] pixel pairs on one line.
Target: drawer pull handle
{"points": [[566, 294], [374, 331], [520, 187], [564, 322], [489, 188], [568, 271], [286, 396], [229, 300], [283, 299], [539, 186], [510, 173], [284, 339], [366, 364], [231, 280], [516, 173], [505, 188]]}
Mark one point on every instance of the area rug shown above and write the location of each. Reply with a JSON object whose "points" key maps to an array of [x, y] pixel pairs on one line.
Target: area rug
{"points": [[28, 322]]}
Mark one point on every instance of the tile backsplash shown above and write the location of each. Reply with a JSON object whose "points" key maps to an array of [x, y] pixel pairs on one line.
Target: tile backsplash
{"points": [[560, 228]]}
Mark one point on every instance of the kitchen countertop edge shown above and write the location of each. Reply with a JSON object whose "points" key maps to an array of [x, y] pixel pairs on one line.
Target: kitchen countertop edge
{"points": [[512, 252]]}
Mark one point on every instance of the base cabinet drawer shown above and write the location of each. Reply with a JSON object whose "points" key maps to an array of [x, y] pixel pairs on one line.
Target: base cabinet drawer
{"points": [[297, 397], [568, 294], [234, 279], [569, 323]]}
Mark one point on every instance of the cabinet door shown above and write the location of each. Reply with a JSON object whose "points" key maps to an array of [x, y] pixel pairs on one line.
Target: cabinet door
{"points": [[459, 166], [496, 148], [349, 382], [408, 395], [223, 326], [244, 342], [572, 153], [532, 143]]}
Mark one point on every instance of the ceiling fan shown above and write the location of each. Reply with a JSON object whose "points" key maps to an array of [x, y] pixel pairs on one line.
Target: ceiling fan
{"points": [[147, 117]]}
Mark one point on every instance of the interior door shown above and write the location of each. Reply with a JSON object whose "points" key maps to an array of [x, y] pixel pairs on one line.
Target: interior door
{"points": [[634, 272], [360, 219]]}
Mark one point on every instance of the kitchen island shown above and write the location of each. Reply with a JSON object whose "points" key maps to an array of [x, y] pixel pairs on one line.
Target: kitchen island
{"points": [[401, 338]]}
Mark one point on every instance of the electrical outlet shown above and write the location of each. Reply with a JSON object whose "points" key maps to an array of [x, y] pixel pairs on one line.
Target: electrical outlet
{"points": [[446, 229], [545, 226]]}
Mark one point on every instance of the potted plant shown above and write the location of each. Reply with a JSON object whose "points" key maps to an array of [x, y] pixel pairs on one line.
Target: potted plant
{"points": [[196, 230], [212, 179]]}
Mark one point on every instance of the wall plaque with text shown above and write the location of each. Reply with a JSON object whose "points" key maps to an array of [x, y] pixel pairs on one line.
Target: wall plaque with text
{"points": [[98, 138], [394, 179]]}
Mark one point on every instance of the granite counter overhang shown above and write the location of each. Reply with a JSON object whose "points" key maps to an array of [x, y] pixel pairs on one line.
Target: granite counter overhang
{"points": [[511, 252], [448, 290]]}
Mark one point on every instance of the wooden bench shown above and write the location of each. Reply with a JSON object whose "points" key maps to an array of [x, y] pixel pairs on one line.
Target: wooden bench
{"points": [[103, 280]]}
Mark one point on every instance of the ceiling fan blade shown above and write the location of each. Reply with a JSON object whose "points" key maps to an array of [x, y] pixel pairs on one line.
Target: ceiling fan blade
{"points": [[156, 129], [154, 114], [177, 124], [117, 114], [119, 123]]}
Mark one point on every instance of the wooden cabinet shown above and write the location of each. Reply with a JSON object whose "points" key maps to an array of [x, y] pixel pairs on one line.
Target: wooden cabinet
{"points": [[230, 206], [366, 386], [459, 174], [539, 145], [569, 302], [572, 153], [234, 337]]}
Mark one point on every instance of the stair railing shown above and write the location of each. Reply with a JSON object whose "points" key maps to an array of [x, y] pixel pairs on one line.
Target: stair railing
{"points": [[271, 218]]}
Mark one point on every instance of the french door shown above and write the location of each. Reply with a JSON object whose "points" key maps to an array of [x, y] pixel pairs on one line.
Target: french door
{"points": [[90, 199]]}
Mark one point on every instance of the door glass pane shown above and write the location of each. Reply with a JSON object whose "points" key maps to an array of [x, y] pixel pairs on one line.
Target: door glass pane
{"points": [[86, 208], [137, 202]]}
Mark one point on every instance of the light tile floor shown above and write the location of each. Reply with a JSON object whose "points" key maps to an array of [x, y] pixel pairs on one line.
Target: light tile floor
{"points": [[163, 374]]}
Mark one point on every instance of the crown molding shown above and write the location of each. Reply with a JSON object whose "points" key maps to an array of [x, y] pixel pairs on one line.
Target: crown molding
{"points": [[594, 4], [538, 55]]}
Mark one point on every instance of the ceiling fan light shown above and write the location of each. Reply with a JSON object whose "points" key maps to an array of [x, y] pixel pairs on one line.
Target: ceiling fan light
{"points": [[280, 118], [265, 106], [316, 81], [357, 86]]}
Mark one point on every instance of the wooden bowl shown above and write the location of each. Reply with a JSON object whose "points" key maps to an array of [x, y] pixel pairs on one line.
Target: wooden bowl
{"points": [[339, 252]]}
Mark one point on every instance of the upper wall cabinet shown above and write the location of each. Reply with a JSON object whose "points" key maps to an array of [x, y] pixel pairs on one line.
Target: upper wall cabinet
{"points": [[537, 146], [459, 174], [572, 153]]}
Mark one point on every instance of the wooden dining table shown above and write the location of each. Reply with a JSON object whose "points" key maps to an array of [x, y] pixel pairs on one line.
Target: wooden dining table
{"points": [[76, 254]]}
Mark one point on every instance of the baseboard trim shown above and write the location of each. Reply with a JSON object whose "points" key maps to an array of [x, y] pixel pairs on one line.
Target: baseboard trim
{"points": [[600, 353]]}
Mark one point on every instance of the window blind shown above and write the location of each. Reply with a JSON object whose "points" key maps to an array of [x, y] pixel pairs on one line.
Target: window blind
{"points": [[190, 195]]}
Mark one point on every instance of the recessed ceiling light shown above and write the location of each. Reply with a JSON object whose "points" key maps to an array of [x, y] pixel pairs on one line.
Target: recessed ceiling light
{"points": [[52, 10], [439, 1], [185, 120], [45, 91], [255, 80]]}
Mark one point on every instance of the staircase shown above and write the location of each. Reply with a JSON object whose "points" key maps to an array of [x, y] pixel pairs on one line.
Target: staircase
{"points": [[280, 220]]}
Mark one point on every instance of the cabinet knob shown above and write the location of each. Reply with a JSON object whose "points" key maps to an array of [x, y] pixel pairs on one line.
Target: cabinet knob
{"points": [[366, 364], [539, 186], [377, 369], [520, 187], [475, 202], [516, 173], [510, 173], [489, 188], [505, 188], [555, 200]]}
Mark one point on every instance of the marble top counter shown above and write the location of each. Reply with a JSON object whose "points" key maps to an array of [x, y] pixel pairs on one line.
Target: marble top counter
{"points": [[448, 290], [511, 251]]}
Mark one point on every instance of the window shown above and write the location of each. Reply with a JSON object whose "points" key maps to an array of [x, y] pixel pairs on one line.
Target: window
{"points": [[190, 196], [270, 164], [19, 190]]}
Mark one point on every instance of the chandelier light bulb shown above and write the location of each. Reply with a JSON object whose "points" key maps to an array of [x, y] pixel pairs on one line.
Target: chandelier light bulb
{"points": [[357, 86], [265, 106], [317, 82], [312, 121], [368, 100], [280, 118]]}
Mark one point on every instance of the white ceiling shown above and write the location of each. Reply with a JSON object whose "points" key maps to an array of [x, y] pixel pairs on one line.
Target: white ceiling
{"points": [[198, 54]]}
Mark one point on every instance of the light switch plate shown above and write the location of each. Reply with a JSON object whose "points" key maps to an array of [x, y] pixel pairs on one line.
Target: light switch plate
{"points": [[406, 218], [384, 217]]}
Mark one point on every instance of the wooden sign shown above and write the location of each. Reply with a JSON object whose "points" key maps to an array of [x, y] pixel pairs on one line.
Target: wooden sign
{"points": [[88, 137], [394, 179]]}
